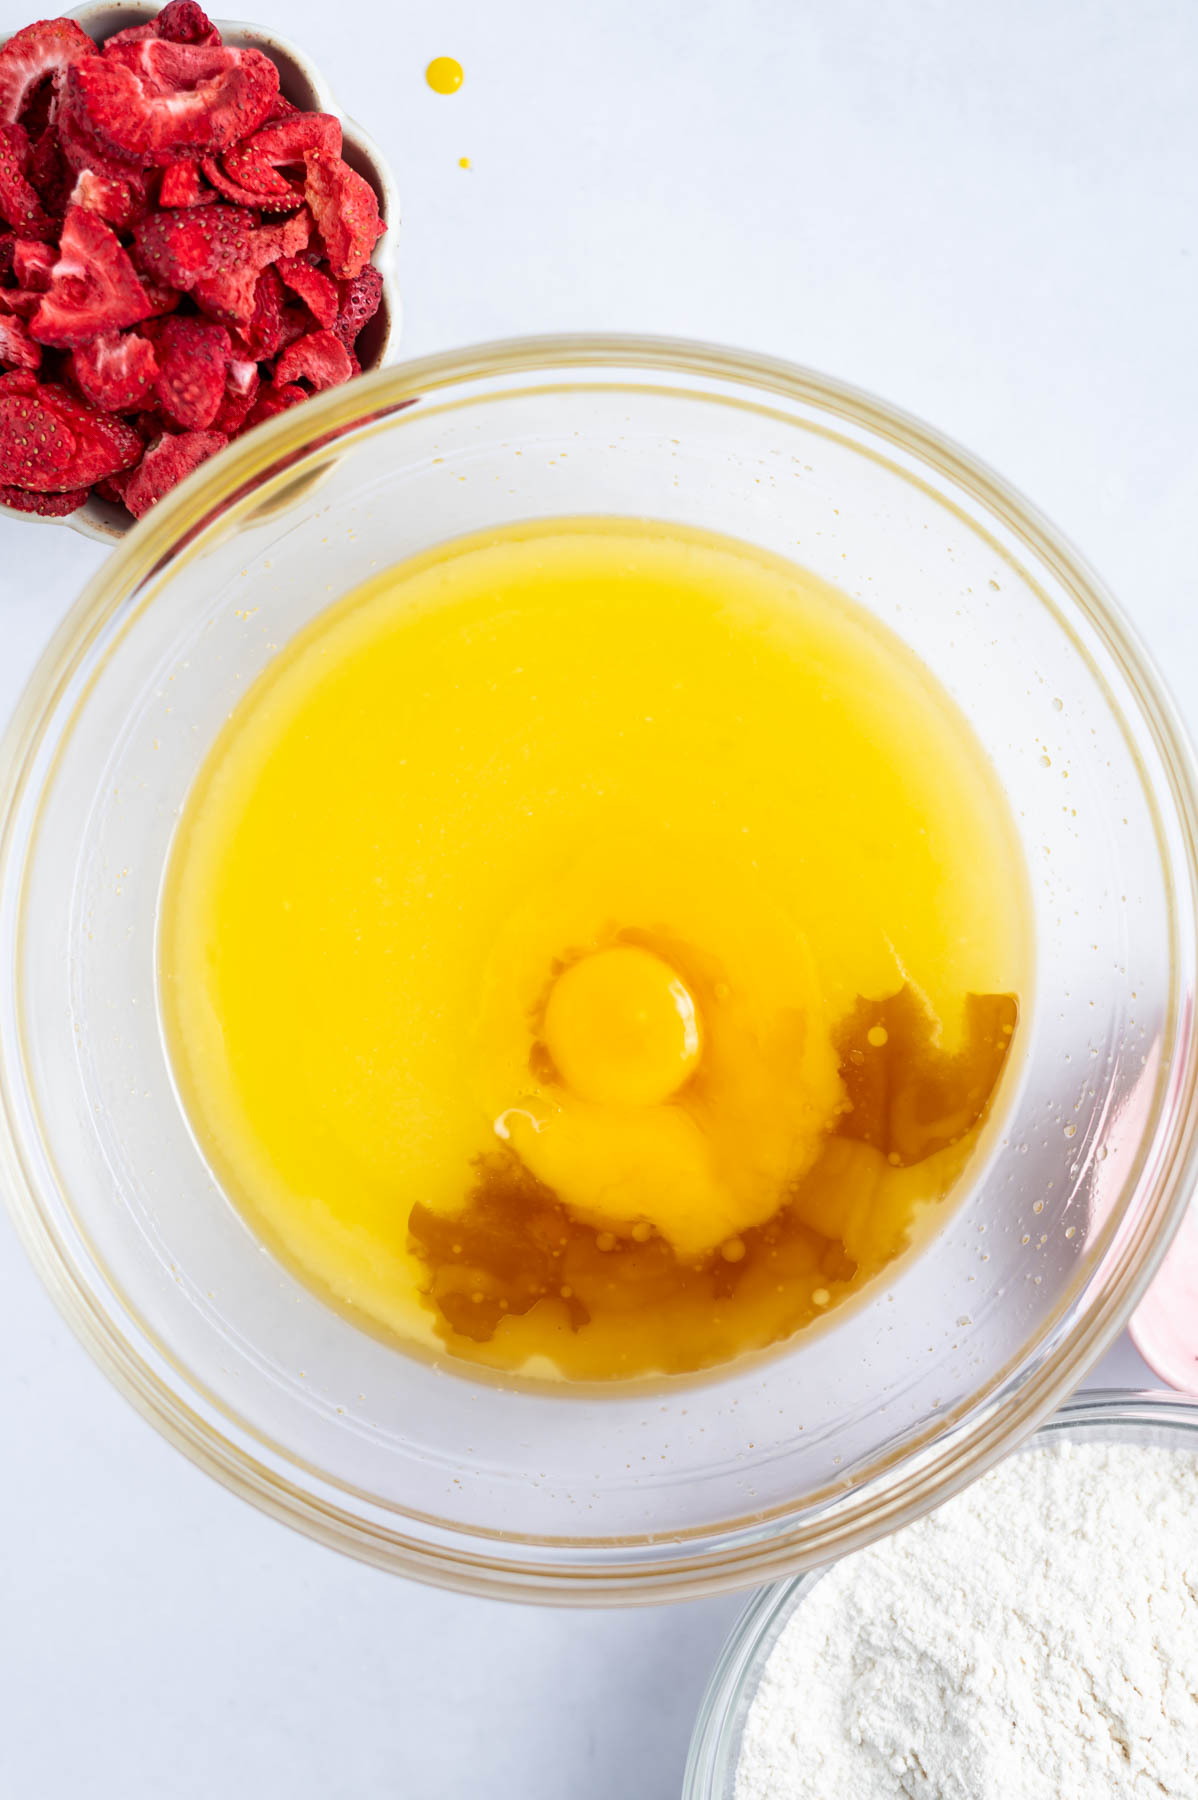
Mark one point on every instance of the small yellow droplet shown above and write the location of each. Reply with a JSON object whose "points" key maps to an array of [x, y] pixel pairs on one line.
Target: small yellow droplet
{"points": [[463, 162], [606, 1240], [444, 75], [820, 1297], [733, 1250], [877, 1035], [642, 1231]]}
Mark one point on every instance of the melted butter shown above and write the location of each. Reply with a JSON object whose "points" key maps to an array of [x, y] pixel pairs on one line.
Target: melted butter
{"points": [[444, 75], [592, 950]]}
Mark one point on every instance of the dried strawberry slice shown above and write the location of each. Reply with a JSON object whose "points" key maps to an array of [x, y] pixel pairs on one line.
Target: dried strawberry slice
{"points": [[20, 303], [84, 150], [318, 358], [17, 348], [20, 203], [153, 98], [37, 448], [113, 201], [242, 383], [49, 172], [345, 210], [285, 238], [105, 444], [46, 506], [165, 463], [185, 22], [229, 297], [192, 358], [317, 291], [360, 299], [193, 243], [261, 332], [115, 372], [30, 55], [93, 285], [272, 400], [255, 162], [243, 196], [181, 186], [33, 264]]}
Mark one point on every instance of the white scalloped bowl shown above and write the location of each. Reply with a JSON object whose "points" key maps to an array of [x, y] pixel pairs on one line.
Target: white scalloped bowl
{"points": [[301, 82]]}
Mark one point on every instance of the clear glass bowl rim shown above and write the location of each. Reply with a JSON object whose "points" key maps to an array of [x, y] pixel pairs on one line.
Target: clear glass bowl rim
{"points": [[553, 1571], [740, 1661]]}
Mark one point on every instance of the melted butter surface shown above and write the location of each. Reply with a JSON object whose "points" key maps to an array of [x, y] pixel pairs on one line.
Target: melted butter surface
{"points": [[519, 800]]}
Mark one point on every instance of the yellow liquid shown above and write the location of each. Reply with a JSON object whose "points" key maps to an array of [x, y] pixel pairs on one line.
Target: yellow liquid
{"points": [[592, 950], [444, 75]]}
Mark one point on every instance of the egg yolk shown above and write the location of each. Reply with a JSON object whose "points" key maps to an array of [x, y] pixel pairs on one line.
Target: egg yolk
{"points": [[622, 1028]]}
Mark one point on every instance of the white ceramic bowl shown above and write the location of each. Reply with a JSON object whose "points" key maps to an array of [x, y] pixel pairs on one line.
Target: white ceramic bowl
{"points": [[301, 82]]}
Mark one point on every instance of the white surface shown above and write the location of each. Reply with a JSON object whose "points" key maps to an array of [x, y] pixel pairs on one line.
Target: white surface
{"points": [[987, 214]]}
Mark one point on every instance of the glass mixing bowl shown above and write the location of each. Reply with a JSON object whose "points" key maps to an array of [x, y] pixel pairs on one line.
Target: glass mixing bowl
{"points": [[637, 1492], [1111, 1417]]}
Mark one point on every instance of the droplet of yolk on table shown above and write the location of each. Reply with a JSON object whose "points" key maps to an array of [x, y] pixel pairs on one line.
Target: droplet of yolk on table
{"points": [[622, 1028], [444, 75]]}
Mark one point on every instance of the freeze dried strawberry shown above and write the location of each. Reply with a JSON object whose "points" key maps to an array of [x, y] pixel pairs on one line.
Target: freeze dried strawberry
{"points": [[36, 446], [318, 358], [242, 383], [360, 300], [84, 150], [184, 22], [272, 400], [112, 201], [192, 356], [255, 162], [19, 303], [20, 203], [115, 372], [317, 291], [46, 506], [49, 172], [262, 333], [165, 463], [162, 297], [243, 196], [30, 55], [17, 348], [181, 186], [345, 210], [287, 237], [104, 444], [193, 243], [132, 34], [154, 98], [33, 264], [93, 285]]}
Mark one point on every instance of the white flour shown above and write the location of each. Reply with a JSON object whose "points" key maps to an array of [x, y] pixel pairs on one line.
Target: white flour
{"points": [[1035, 1639]]}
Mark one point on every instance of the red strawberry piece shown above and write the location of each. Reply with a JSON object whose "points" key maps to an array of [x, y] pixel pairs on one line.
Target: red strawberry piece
{"points": [[162, 297], [18, 381], [105, 444], [192, 243], [345, 210], [20, 203], [295, 323], [317, 291], [49, 171], [262, 334], [21, 303], [242, 382], [192, 356], [113, 201], [46, 506], [30, 55], [17, 348], [132, 34], [115, 372], [184, 22], [36, 446], [165, 463], [318, 358], [243, 196], [283, 108], [33, 264], [272, 400], [360, 300], [181, 186], [255, 162], [228, 298], [151, 99], [285, 238], [84, 150], [93, 285]]}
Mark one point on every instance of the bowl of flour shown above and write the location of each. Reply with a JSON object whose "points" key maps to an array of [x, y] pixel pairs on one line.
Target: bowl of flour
{"points": [[1035, 1638]]}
